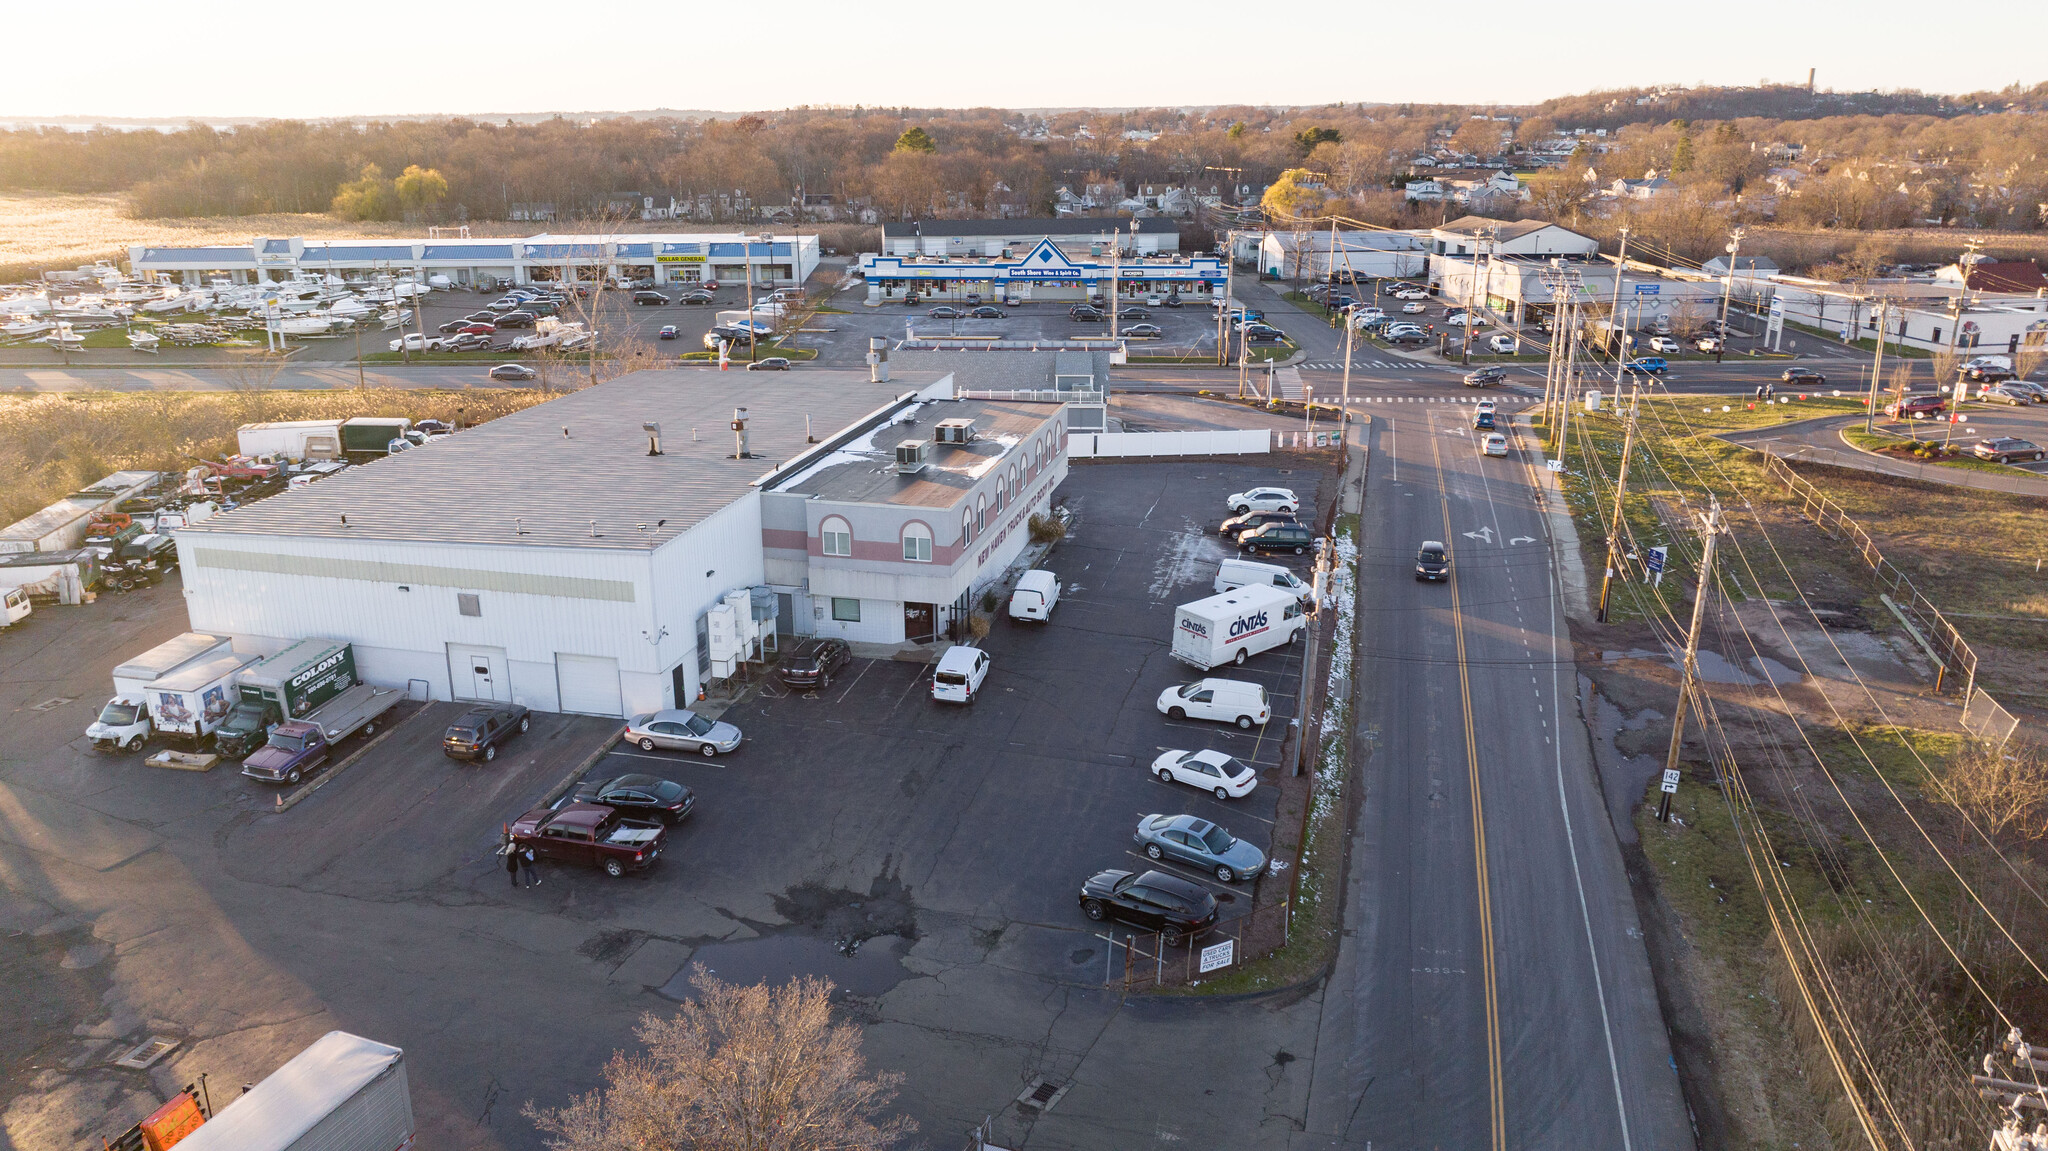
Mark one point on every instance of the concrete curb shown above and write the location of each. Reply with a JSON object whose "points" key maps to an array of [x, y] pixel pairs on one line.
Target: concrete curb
{"points": [[287, 802], [589, 761]]}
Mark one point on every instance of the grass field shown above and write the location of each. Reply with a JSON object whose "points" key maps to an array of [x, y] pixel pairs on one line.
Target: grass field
{"points": [[55, 443]]}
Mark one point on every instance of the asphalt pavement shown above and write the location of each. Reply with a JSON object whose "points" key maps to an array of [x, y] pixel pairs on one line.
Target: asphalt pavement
{"points": [[1494, 989]]}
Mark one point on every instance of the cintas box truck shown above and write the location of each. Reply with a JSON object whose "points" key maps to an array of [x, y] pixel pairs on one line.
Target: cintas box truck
{"points": [[1236, 625], [287, 685]]}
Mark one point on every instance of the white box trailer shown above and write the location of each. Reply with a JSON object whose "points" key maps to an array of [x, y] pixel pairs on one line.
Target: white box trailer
{"points": [[194, 699], [61, 526], [293, 440], [64, 576], [344, 1093], [1236, 625]]}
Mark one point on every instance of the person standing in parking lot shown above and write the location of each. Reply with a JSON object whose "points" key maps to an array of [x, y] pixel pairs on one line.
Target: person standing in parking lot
{"points": [[511, 853], [526, 868]]}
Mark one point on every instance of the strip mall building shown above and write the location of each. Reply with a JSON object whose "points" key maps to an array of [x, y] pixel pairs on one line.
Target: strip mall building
{"points": [[1045, 271]]}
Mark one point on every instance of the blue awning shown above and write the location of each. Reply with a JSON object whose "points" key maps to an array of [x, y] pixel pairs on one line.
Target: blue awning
{"points": [[468, 252]]}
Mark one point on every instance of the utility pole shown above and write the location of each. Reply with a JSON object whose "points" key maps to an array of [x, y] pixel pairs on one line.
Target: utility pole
{"points": [[1689, 672], [1628, 443], [1223, 313], [1116, 269], [1614, 330], [1876, 370], [1727, 292], [1350, 333], [2011, 1079], [747, 248]]}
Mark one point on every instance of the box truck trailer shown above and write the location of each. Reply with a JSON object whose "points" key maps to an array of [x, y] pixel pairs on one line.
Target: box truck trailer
{"points": [[293, 440], [124, 720], [64, 576], [1236, 625], [194, 700], [343, 1093], [287, 685]]}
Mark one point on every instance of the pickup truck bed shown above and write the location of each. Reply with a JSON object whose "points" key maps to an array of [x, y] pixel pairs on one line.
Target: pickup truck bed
{"points": [[358, 708]]}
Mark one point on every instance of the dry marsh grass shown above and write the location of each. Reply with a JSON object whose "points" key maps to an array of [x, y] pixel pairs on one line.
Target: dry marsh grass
{"points": [[56, 443]]}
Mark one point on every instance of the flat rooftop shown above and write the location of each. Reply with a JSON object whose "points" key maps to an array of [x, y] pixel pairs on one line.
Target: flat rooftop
{"points": [[540, 477], [863, 470]]}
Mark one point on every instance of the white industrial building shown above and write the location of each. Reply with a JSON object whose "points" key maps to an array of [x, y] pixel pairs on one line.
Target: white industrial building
{"points": [[665, 258], [1143, 235], [1312, 255], [580, 555]]}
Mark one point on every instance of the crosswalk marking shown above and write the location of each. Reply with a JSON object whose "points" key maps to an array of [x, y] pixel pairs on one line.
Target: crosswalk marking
{"points": [[1338, 366], [1499, 401]]}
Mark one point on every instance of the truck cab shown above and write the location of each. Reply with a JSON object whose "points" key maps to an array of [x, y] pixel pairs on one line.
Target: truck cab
{"points": [[246, 728], [123, 723], [294, 750]]}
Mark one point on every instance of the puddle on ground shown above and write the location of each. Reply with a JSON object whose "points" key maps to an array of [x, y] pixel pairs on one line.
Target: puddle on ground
{"points": [[1716, 669], [1778, 673], [875, 966]]}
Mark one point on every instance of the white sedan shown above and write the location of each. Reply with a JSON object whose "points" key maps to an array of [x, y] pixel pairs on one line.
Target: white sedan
{"points": [[1223, 775], [1494, 444], [1411, 294], [1414, 307], [1263, 500]]}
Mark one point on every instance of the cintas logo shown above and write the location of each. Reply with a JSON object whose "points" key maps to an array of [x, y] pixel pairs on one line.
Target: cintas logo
{"points": [[1247, 625]]}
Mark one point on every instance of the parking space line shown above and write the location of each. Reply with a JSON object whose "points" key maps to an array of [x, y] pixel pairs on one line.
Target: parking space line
{"points": [[1184, 871], [856, 680]]}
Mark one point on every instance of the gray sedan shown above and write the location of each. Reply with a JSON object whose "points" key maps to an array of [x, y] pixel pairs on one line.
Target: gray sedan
{"points": [[1191, 839], [679, 730]]}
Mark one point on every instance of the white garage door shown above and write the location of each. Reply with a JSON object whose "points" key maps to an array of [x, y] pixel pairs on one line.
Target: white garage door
{"points": [[589, 684]]}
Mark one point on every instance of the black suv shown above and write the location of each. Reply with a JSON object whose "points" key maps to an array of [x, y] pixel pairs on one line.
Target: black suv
{"points": [[476, 733], [1432, 561], [1153, 901], [517, 320], [1236, 526], [649, 298], [1085, 312], [1803, 376], [1485, 376], [811, 663], [1294, 538], [640, 796]]}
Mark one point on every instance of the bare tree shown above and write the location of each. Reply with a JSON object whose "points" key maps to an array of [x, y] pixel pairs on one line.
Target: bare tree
{"points": [[740, 1069], [2032, 353], [2003, 789], [1688, 318]]}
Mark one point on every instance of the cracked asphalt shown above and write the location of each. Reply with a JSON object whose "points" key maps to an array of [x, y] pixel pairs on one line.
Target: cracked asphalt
{"points": [[375, 906]]}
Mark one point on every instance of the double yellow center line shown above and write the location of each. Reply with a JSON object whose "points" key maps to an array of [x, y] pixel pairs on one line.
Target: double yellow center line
{"points": [[1498, 1130]]}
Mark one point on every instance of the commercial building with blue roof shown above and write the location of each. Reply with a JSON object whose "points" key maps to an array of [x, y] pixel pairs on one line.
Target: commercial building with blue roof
{"points": [[664, 258]]}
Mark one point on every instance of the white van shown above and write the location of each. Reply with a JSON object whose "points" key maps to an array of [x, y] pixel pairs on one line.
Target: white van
{"points": [[959, 674], [1242, 573], [1234, 626], [1227, 700], [14, 606], [1037, 591]]}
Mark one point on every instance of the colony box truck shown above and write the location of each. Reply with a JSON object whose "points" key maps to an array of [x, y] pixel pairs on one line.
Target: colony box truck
{"points": [[124, 720], [1236, 625], [344, 1093], [284, 686]]}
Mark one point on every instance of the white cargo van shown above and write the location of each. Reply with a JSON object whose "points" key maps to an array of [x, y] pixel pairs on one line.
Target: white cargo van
{"points": [[1227, 700], [1037, 591], [14, 605], [1234, 626], [959, 674], [1250, 573]]}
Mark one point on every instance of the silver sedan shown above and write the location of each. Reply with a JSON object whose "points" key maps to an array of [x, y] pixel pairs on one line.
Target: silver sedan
{"points": [[679, 730]]}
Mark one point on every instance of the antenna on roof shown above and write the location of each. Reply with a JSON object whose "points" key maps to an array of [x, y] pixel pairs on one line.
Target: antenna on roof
{"points": [[593, 529], [518, 528]]}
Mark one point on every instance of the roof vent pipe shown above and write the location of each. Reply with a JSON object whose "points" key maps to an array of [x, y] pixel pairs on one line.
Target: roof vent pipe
{"points": [[593, 529], [739, 435], [653, 431]]}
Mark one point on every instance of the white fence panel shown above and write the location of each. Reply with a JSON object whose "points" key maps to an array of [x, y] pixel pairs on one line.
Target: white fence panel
{"points": [[1100, 445]]}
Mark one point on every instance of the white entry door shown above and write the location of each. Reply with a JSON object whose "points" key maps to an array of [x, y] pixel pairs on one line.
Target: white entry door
{"points": [[589, 684], [479, 673]]}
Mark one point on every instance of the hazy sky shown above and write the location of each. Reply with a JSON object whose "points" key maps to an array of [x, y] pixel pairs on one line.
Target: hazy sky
{"points": [[204, 58]]}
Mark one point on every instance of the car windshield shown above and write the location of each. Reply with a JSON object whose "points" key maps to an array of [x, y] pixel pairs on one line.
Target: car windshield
{"points": [[697, 725], [1432, 555], [1187, 690], [285, 742], [119, 714], [1218, 841]]}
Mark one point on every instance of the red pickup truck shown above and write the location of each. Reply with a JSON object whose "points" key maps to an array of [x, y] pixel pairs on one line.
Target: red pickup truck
{"points": [[590, 834]]}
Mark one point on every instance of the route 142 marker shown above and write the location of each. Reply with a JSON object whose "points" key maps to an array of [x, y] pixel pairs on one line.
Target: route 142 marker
{"points": [[1669, 787]]}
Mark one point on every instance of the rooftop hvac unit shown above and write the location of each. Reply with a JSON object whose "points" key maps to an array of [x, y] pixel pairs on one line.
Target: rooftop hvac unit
{"points": [[955, 431], [912, 457]]}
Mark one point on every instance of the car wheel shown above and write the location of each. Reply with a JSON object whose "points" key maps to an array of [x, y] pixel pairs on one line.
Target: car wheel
{"points": [[1242, 509], [490, 753], [1299, 550], [294, 776], [1222, 793], [1177, 712], [824, 681], [646, 745], [1244, 722], [1165, 775], [1240, 657], [135, 741], [369, 729], [1171, 936], [2037, 456], [708, 750], [1293, 637], [525, 722], [1152, 852], [1224, 873], [1093, 910], [614, 868]]}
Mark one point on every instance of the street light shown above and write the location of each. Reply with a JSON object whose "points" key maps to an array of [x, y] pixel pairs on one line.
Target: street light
{"points": [[1727, 291]]}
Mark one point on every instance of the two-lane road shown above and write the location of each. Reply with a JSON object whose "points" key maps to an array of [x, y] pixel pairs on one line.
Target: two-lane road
{"points": [[1495, 991]]}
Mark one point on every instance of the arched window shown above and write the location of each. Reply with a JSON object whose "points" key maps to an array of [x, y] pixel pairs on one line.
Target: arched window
{"points": [[917, 543], [966, 526], [836, 536], [1015, 487], [980, 514]]}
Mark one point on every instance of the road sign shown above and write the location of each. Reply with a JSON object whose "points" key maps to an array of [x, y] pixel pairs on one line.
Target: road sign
{"points": [[1556, 465], [1668, 787], [1648, 289], [1221, 954], [1657, 558]]}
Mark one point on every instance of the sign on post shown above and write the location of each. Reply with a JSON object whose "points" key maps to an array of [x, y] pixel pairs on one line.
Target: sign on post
{"points": [[1219, 955], [1657, 558], [1670, 784]]}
